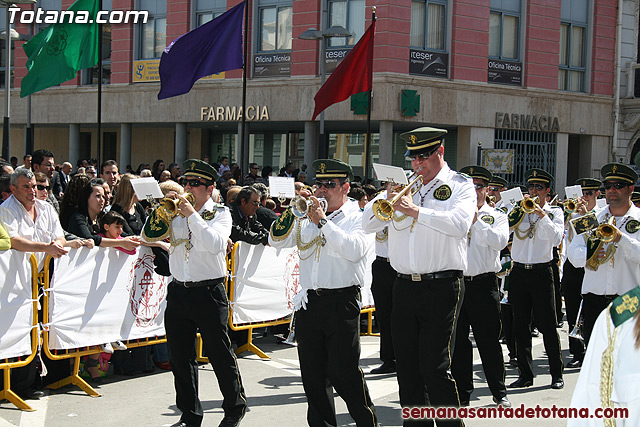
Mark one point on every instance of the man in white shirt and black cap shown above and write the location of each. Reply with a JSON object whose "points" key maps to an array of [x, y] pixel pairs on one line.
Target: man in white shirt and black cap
{"points": [[428, 249], [488, 235], [531, 280], [197, 298], [332, 248]]}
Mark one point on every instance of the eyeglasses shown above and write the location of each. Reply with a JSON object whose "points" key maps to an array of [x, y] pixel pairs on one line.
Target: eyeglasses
{"points": [[420, 157], [538, 187], [256, 168], [326, 184], [588, 193], [43, 187], [616, 185], [479, 186], [193, 183], [255, 202]]}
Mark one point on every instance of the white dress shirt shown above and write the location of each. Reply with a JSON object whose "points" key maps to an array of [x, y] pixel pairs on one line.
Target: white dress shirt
{"points": [[619, 275], [626, 373], [206, 259], [341, 261], [45, 229], [547, 233], [487, 237], [437, 239]]}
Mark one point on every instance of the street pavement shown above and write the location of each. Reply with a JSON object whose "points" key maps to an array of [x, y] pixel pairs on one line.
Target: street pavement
{"points": [[275, 394]]}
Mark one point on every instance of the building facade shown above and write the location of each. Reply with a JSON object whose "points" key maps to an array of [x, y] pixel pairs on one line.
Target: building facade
{"points": [[517, 83]]}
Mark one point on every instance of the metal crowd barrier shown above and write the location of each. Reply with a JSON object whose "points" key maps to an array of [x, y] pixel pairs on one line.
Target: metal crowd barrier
{"points": [[6, 365]]}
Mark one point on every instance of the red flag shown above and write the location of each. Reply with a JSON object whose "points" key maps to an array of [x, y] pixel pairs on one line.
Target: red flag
{"points": [[353, 75]]}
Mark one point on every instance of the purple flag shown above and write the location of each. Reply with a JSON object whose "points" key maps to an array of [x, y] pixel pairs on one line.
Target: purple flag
{"points": [[209, 49]]}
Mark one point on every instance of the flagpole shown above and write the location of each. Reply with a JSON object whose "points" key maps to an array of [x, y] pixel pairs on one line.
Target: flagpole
{"points": [[243, 130], [369, 106], [99, 165]]}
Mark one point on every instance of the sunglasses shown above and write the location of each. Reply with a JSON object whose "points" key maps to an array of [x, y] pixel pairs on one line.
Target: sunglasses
{"points": [[588, 193], [193, 183], [421, 157], [479, 186], [494, 188], [326, 184], [43, 187], [538, 187], [616, 185]]}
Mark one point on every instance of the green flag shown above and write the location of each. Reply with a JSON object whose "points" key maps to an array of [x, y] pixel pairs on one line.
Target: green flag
{"points": [[59, 51]]}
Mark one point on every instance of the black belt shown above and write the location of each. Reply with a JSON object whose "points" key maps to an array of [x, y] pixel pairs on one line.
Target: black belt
{"points": [[381, 258], [323, 292], [607, 297], [200, 284], [447, 274], [532, 266], [479, 276]]}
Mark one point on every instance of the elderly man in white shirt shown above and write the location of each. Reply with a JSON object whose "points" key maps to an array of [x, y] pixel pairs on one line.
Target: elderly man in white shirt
{"points": [[332, 248]]}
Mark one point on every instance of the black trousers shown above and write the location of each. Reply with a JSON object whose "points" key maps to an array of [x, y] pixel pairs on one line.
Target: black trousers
{"points": [[557, 292], [534, 289], [423, 323], [480, 311], [381, 287], [328, 335], [572, 287], [592, 306], [206, 310]]}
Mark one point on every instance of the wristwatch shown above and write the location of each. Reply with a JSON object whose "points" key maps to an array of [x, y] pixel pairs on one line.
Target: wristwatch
{"points": [[322, 222]]}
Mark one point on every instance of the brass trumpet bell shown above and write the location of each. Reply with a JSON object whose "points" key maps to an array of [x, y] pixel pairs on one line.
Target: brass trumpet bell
{"points": [[383, 209], [570, 206], [170, 206], [529, 204], [301, 207], [607, 231]]}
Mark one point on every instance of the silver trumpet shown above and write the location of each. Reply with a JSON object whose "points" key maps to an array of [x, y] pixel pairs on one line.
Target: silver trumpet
{"points": [[576, 332], [301, 207], [291, 338]]}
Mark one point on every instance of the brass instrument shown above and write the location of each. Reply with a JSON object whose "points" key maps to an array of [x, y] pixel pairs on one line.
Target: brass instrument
{"points": [[383, 208], [158, 225], [607, 231], [571, 205], [490, 200], [301, 206], [168, 207], [576, 332], [529, 204]]}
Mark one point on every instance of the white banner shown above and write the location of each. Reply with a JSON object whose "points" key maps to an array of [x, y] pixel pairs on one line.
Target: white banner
{"points": [[267, 279], [16, 307], [101, 295]]}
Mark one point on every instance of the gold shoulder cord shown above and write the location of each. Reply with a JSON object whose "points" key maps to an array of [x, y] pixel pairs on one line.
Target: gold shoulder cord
{"points": [[385, 236], [302, 246], [606, 374]]}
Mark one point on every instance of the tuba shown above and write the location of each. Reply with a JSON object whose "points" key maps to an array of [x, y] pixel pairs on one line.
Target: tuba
{"points": [[383, 208]]}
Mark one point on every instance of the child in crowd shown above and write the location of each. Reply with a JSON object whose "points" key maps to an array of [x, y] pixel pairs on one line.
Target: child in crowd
{"points": [[111, 224]]}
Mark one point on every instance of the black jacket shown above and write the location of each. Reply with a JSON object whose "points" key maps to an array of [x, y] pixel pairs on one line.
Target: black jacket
{"points": [[247, 229]]}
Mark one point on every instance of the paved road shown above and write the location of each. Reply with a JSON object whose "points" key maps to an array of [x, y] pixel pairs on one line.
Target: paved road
{"points": [[275, 395]]}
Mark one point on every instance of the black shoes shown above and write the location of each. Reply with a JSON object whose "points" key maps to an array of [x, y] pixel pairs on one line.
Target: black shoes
{"points": [[575, 363], [180, 424], [513, 362], [385, 368], [535, 333], [231, 420], [557, 384], [521, 383], [503, 401], [30, 394]]}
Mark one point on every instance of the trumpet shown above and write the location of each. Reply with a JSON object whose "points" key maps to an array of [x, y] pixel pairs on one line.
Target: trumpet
{"points": [[576, 332], [383, 209], [607, 231], [168, 207], [529, 204], [490, 200], [301, 206], [571, 205]]}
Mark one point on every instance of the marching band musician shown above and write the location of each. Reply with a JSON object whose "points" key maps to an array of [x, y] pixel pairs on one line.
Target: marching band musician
{"points": [[332, 249], [611, 268], [383, 276], [488, 235], [197, 299], [571, 275], [427, 247], [497, 185], [531, 279]]}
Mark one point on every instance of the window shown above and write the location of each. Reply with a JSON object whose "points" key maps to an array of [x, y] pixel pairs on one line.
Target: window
{"points": [[153, 34], [504, 29], [276, 21], [3, 51], [91, 76], [349, 14], [428, 24], [573, 40], [206, 10]]}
